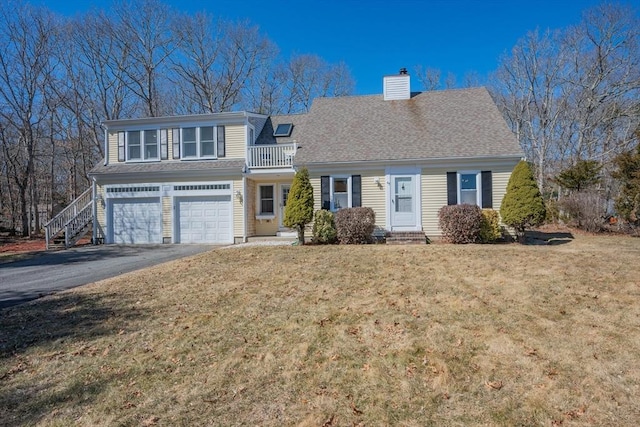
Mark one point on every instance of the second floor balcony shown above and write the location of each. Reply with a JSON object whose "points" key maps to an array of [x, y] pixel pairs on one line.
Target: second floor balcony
{"points": [[271, 156]]}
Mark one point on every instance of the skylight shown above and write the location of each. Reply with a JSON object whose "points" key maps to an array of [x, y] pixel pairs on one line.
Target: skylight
{"points": [[283, 129]]}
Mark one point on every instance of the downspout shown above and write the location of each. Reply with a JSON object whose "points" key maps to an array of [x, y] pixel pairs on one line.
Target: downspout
{"points": [[244, 180], [106, 144], [94, 209], [244, 209]]}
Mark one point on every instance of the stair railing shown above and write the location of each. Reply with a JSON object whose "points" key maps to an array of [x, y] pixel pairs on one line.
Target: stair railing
{"points": [[64, 218]]}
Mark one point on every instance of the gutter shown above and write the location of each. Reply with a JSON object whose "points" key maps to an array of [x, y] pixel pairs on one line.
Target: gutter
{"points": [[106, 144]]}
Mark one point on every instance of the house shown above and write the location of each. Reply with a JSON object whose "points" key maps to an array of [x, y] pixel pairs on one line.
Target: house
{"points": [[225, 177]]}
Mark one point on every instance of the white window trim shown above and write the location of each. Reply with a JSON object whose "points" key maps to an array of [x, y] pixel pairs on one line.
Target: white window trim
{"points": [[478, 175], [332, 191], [259, 214], [199, 155], [141, 158]]}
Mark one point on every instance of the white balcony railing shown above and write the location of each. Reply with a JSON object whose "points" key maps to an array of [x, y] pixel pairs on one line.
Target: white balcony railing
{"points": [[271, 156]]}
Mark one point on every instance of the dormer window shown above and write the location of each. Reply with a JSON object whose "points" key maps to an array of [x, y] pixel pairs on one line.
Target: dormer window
{"points": [[204, 142], [283, 129], [142, 145]]}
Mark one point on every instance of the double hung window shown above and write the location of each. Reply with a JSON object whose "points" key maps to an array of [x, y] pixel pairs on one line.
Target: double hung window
{"points": [[142, 145]]}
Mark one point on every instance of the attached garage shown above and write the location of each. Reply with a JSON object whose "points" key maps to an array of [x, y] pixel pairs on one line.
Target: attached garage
{"points": [[203, 219], [135, 220]]}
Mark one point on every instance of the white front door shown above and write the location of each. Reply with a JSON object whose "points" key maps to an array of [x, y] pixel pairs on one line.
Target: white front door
{"points": [[284, 195], [403, 202]]}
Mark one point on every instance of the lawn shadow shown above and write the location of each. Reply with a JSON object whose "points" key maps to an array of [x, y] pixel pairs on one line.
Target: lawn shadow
{"points": [[63, 316], [537, 237], [76, 255], [53, 325]]}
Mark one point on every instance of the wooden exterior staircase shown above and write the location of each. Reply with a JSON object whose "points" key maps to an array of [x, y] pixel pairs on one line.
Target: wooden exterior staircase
{"points": [[71, 224]]}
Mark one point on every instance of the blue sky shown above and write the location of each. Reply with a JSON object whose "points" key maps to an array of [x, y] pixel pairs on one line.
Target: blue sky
{"points": [[375, 38]]}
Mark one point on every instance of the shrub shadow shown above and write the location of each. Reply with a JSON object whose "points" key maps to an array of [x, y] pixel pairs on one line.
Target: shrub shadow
{"points": [[547, 238]]}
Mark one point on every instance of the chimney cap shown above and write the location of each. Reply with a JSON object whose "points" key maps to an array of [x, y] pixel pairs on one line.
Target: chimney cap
{"points": [[403, 71]]}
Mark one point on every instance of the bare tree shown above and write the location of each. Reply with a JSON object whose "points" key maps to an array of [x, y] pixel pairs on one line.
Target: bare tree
{"points": [[528, 83], [217, 60], [572, 94], [309, 77], [428, 77], [142, 30], [26, 68]]}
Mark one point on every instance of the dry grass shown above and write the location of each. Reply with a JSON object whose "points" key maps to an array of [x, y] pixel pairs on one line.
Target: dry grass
{"points": [[333, 336]]}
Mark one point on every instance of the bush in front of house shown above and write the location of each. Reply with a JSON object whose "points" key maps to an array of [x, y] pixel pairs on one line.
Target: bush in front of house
{"points": [[355, 225], [324, 227], [299, 210], [490, 226], [460, 223], [522, 206]]}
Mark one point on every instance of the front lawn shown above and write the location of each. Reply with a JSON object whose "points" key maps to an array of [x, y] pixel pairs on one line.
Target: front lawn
{"points": [[338, 335]]}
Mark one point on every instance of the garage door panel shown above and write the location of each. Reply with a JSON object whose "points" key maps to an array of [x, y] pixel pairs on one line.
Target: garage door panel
{"points": [[204, 219], [136, 221]]}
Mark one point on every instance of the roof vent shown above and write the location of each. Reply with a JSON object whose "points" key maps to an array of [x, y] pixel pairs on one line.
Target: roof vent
{"points": [[397, 87]]}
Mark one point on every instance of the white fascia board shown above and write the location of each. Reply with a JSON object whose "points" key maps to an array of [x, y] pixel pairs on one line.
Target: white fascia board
{"points": [[238, 117], [487, 161], [136, 177]]}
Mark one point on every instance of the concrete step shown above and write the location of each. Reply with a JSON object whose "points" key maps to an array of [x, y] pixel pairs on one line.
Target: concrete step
{"points": [[406, 238]]}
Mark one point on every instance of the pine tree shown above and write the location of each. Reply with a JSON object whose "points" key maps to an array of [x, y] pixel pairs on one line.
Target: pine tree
{"points": [[582, 175], [628, 202], [522, 206], [299, 210]]}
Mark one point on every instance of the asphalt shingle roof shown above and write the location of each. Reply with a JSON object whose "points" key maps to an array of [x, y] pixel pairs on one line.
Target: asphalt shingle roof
{"points": [[436, 124], [235, 165]]}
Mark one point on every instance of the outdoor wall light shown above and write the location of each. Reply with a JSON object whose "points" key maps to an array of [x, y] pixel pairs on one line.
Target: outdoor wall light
{"points": [[238, 195]]}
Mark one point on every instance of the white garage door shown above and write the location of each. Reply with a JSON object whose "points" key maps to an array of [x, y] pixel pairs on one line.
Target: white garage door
{"points": [[204, 219], [136, 220]]}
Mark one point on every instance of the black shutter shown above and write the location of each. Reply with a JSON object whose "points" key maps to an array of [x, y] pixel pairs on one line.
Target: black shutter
{"points": [[356, 191], [325, 192], [175, 138], [487, 190], [164, 144], [121, 147], [452, 188], [221, 142]]}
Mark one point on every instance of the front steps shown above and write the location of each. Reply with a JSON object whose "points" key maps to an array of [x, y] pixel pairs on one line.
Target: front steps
{"points": [[406, 238]]}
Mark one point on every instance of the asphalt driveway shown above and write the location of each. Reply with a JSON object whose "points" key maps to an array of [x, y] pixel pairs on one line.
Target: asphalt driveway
{"points": [[43, 273]]}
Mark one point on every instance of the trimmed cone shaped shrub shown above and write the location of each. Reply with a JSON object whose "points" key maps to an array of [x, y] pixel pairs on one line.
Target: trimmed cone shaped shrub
{"points": [[522, 206], [299, 210]]}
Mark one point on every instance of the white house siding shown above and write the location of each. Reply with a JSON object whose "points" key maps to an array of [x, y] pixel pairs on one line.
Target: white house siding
{"points": [[113, 147], [373, 196], [170, 143], [238, 217], [235, 141], [434, 193], [250, 203], [167, 222], [500, 177], [100, 208], [434, 196]]}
